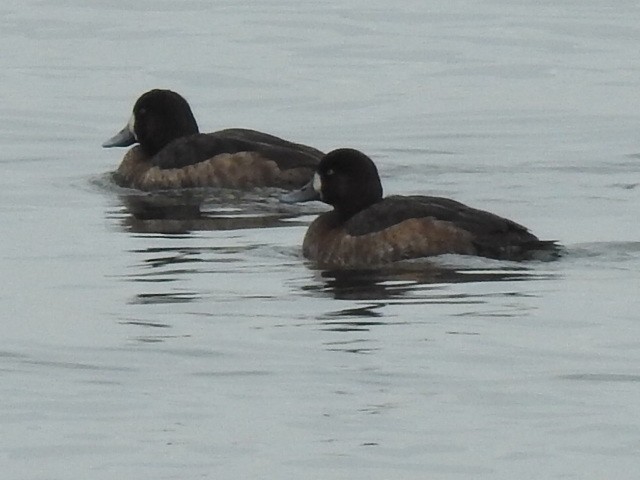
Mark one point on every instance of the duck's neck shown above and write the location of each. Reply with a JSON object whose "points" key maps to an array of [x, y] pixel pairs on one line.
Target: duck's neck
{"points": [[346, 211]]}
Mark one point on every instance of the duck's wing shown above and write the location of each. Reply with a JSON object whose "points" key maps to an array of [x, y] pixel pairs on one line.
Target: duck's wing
{"points": [[491, 235], [254, 136], [197, 148]]}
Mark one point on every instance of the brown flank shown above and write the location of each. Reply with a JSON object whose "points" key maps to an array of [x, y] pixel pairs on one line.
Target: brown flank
{"points": [[331, 247], [242, 170]]}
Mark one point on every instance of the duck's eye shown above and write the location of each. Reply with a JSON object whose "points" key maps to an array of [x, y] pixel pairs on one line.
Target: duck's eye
{"points": [[329, 172], [142, 111]]}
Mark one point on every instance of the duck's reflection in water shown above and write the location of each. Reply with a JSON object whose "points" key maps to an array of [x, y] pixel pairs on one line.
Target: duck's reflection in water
{"points": [[421, 283], [184, 212], [401, 280]]}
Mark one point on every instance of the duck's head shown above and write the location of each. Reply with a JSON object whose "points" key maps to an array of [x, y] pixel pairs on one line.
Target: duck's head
{"points": [[346, 179], [159, 117]]}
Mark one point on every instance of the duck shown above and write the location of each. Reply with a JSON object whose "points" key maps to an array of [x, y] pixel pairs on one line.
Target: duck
{"points": [[169, 152], [366, 229]]}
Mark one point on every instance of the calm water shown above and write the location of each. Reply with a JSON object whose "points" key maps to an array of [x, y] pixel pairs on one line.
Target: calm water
{"points": [[209, 348]]}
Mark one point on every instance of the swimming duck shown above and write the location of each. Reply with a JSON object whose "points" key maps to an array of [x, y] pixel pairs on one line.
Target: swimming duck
{"points": [[365, 230], [172, 153]]}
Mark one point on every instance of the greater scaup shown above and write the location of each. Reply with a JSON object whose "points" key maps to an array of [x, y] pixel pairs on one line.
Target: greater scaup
{"points": [[173, 154], [364, 229]]}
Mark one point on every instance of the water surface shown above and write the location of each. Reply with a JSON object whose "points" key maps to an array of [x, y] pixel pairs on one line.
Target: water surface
{"points": [[205, 346]]}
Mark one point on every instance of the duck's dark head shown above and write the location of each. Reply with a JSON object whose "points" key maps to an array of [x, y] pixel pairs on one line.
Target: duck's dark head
{"points": [[158, 118], [346, 179]]}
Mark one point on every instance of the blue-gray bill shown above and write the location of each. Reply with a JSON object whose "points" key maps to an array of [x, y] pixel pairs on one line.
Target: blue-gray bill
{"points": [[123, 138], [305, 194]]}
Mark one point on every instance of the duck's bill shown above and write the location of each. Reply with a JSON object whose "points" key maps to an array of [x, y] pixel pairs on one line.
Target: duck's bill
{"points": [[123, 138], [305, 194]]}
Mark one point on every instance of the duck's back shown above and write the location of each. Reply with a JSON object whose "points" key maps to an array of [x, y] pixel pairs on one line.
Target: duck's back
{"points": [[197, 148], [255, 136]]}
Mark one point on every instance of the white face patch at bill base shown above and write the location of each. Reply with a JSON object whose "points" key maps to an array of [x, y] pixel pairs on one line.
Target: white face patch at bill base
{"points": [[131, 124], [317, 184]]}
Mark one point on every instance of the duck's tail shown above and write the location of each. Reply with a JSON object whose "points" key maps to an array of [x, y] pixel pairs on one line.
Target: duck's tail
{"points": [[541, 250]]}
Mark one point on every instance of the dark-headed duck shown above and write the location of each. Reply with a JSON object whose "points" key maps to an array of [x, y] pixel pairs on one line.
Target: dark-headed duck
{"points": [[173, 154], [364, 229]]}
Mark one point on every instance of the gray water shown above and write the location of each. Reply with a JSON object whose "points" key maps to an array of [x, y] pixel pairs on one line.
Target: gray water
{"points": [[210, 348]]}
